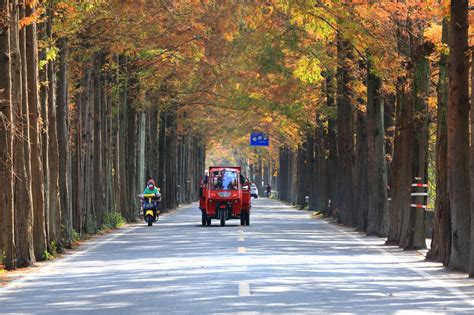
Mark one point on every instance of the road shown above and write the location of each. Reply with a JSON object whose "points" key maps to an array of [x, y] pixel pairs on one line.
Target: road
{"points": [[284, 262]]}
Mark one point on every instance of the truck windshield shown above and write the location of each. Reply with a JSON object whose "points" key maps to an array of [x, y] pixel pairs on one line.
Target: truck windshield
{"points": [[224, 180]]}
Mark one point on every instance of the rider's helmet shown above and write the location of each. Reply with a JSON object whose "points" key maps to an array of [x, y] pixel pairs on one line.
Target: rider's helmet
{"points": [[151, 184]]}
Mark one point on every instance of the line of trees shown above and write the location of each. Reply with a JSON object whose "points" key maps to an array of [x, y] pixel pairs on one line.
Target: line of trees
{"points": [[374, 144], [80, 133]]}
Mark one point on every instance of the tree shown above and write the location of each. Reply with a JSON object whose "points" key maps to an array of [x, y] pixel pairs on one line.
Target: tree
{"points": [[345, 138], [21, 147], [63, 125], [459, 185], [34, 116], [7, 228], [377, 222], [441, 243]]}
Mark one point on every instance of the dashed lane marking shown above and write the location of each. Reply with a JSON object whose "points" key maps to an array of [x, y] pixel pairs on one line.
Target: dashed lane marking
{"points": [[244, 288], [242, 250]]}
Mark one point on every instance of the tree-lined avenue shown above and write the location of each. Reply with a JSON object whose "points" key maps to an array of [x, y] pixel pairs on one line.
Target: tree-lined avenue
{"points": [[292, 263]]}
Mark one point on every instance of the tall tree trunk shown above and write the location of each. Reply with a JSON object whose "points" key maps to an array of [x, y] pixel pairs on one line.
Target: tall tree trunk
{"points": [[377, 223], [471, 263], [414, 228], [141, 149], [37, 177], [7, 227], [44, 128], [459, 184], [389, 123], [441, 242], [302, 188], [131, 159], [319, 174], [65, 179], [401, 170], [330, 145], [22, 185], [361, 180], [99, 124], [345, 135], [163, 147], [54, 202]]}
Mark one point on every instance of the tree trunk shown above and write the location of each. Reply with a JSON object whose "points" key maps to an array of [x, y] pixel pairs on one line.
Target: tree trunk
{"points": [[389, 123], [44, 129], [163, 146], [345, 135], [330, 145], [302, 188], [319, 174], [441, 242], [22, 185], [99, 124], [37, 177], [141, 149], [65, 179], [459, 184], [7, 227], [361, 180], [401, 169], [377, 223], [471, 263]]}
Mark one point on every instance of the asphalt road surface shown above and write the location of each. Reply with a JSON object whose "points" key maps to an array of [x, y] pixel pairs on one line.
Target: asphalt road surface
{"points": [[284, 262]]}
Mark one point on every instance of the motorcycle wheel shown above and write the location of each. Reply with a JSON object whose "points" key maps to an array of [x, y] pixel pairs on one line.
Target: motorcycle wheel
{"points": [[149, 220]]}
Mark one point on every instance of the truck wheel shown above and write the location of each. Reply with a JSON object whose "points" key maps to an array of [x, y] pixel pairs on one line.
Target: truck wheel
{"points": [[204, 219], [208, 222], [247, 217], [242, 218], [222, 216]]}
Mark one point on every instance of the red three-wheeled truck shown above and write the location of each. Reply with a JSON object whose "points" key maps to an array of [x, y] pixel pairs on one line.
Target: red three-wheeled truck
{"points": [[224, 194]]}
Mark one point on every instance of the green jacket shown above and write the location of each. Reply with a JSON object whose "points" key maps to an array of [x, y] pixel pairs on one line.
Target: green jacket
{"points": [[148, 191]]}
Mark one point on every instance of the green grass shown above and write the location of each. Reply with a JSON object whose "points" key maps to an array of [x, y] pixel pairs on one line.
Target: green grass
{"points": [[113, 220]]}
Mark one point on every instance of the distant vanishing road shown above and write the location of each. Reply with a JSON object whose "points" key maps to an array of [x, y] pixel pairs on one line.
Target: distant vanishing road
{"points": [[284, 262]]}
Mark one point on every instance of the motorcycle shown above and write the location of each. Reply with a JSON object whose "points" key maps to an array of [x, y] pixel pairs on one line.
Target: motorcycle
{"points": [[150, 207]]}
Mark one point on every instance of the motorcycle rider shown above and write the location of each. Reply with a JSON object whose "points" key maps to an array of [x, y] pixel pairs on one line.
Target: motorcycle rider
{"points": [[151, 189]]}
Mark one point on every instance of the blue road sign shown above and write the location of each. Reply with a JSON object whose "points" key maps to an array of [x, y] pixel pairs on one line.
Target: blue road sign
{"points": [[259, 139]]}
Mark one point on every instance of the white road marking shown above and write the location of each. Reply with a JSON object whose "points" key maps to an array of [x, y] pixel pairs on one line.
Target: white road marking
{"points": [[241, 239], [244, 288], [242, 250]]}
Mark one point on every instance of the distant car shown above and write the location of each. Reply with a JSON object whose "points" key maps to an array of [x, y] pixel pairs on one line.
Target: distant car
{"points": [[253, 191]]}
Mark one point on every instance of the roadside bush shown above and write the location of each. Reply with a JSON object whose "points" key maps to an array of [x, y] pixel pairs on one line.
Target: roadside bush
{"points": [[91, 225], [113, 220], [47, 255], [53, 247], [75, 236]]}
